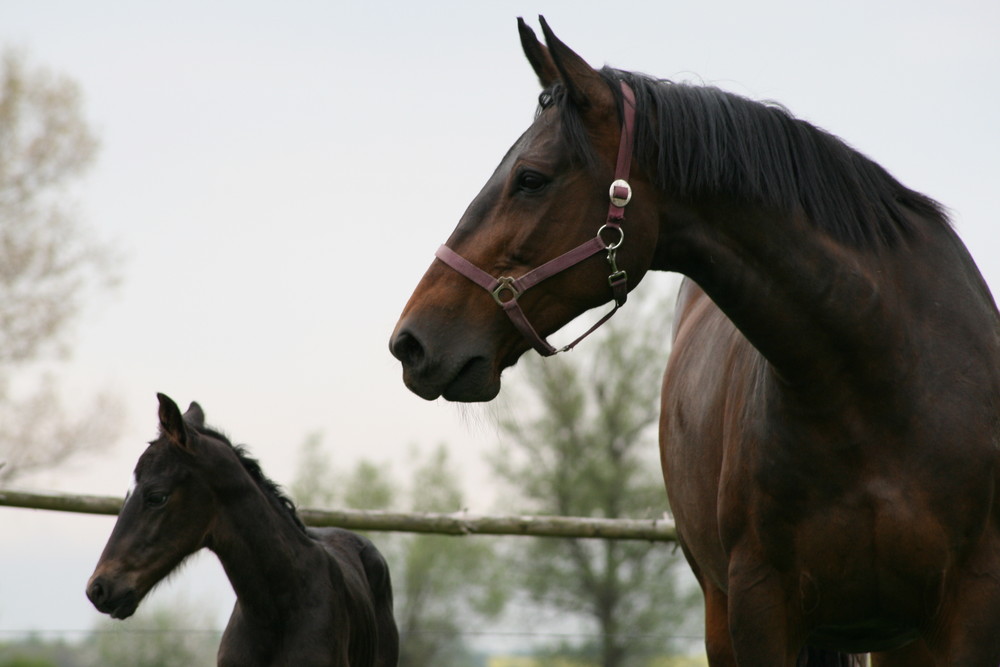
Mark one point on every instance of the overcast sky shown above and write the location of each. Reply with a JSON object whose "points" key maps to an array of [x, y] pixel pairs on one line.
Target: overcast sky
{"points": [[277, 177]]}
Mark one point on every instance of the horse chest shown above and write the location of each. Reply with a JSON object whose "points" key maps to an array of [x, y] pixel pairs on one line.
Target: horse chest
{"points": [[296, 639]]}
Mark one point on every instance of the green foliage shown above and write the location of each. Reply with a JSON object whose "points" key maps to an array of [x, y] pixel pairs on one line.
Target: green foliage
{"points": [[441, 584], [167, 634], [445, 583], [318, 484], [369, 487], [163, 635], [34, 651], [21, 661], [585, 445], [313, 485]]}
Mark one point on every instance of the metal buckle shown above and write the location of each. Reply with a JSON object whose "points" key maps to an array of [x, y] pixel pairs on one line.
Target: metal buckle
{"points": [[620, 202], [506, 283], [611, 246]]}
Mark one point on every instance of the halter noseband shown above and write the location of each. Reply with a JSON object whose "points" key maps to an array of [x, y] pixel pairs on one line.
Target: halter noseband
{"points": [[506, 290]]}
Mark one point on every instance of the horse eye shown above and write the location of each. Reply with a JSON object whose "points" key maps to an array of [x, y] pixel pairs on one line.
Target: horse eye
{"points": [[531, 182], [156, 499]]}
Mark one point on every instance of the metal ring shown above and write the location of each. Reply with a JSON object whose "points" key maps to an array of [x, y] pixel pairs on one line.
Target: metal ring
{"points": [[620, 202], [611, 246], [506, 283]]}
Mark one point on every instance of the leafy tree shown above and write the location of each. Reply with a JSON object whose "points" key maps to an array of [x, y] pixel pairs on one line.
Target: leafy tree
{"points": [[313, 484], [445, 583], [441, 584], [585, 445], [48, 260], [369, 487]]}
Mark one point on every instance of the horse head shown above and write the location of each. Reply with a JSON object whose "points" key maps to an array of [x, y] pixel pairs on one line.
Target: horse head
{"points": [[547, 199], [164, 519]]}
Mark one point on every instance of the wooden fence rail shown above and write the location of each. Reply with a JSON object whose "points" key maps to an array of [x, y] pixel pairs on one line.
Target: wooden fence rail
{"points": [[459, 523]]}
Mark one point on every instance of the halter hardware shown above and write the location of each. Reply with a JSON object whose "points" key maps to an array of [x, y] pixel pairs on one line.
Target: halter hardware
{"points": [[505, 283], [620, 194]]}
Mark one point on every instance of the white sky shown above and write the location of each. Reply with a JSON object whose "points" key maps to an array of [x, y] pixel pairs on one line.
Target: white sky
{"points": [[279, 175]]}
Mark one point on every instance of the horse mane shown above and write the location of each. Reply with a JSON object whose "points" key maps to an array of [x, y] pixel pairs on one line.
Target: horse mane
{"points": [[700, 141], [270, 488]]}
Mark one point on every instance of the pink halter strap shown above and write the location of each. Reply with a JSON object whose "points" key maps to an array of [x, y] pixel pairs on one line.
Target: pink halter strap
{"points": [[506, 290]]}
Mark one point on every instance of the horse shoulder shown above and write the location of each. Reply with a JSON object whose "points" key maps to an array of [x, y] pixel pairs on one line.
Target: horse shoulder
{"points": [[706, 398]]}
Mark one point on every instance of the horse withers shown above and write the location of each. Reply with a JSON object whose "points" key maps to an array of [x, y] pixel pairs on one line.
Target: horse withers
{"points": [[831, 408], [304, 596]]}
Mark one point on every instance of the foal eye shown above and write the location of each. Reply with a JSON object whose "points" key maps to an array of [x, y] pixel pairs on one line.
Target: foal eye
{"points": [[155, 499], [531, 182]]}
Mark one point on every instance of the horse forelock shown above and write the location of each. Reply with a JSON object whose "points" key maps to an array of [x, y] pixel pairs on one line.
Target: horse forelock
{"points": [[574, 131], [699, 141]]}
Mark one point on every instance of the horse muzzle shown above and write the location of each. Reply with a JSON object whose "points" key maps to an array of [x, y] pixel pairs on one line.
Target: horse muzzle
{"points": [[433, 366], [110, 598]]}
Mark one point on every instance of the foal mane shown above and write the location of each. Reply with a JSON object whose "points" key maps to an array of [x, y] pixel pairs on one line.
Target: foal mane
{"points": [[700, 141], [270, 488]]}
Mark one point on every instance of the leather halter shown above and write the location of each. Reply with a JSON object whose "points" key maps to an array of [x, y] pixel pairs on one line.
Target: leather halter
{"points": [[506, 290]]}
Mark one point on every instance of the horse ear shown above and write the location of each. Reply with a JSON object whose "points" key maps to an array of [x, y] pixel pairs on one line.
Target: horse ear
{"points": [[537, 54], [585, 86], [195, 415], [172, 422]]}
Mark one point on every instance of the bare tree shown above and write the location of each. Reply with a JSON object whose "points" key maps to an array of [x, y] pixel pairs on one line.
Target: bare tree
{"points": [[48, 261]]}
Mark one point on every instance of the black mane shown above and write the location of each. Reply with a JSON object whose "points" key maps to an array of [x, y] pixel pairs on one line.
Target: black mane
{"points": [[700, 141], [270, 488]]}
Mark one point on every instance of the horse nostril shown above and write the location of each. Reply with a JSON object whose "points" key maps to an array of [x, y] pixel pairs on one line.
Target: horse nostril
{"points": [[407, 348], [96, 593]]}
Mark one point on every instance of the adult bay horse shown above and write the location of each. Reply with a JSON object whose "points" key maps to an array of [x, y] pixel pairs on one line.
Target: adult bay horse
{"points": [[829, 432], [304, 596]]}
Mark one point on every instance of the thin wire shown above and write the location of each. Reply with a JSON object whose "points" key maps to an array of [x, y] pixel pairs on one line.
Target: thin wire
{"points": [[474, 633]]}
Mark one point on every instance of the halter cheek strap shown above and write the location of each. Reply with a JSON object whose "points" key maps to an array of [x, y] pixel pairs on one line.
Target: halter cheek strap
{"points": [[506, 290]]}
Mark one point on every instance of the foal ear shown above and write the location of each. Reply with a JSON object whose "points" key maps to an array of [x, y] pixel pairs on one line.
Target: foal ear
{"points": [[585, 86], [195, 415], [172, 422], [537, 54]]}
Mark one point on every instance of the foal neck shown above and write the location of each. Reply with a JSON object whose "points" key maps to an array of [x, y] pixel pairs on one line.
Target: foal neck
{"points": [[262, 548]]}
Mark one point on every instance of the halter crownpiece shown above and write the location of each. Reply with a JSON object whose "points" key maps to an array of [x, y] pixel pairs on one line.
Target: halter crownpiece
{"points": [[507, 290]]}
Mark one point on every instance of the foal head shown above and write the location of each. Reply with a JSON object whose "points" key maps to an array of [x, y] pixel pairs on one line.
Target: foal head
{"points": [[168, 513]]}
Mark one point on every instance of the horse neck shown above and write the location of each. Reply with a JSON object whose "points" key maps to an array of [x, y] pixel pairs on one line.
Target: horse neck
{"points": [[812, 306], [267, 557]]}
